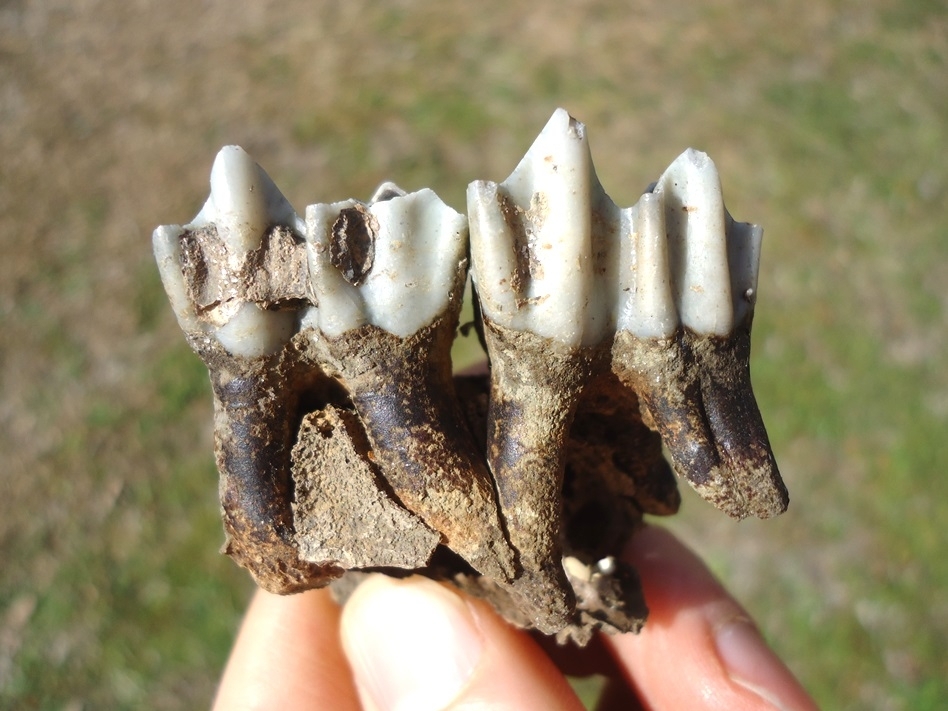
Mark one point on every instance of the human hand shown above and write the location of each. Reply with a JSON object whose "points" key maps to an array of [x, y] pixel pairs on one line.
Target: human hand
{"points": [[414, 645]]}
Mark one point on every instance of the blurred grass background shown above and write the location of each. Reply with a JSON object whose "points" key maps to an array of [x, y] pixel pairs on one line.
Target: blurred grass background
{"points": [[828, 120]]}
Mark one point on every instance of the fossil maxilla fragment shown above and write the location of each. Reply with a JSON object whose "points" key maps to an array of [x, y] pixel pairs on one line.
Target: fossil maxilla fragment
{"points": [[209, 268], [385, 329], [344, 443], [689, 277]]}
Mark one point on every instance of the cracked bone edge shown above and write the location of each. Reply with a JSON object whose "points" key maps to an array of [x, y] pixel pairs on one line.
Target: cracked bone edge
{"points": [[532, 240], [419, 245], [243, 204]]}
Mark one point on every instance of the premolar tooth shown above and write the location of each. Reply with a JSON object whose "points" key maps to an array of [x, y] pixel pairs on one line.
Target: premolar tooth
{"points": [[207, 259], [387, 335], [694, 218], [245, 247]]}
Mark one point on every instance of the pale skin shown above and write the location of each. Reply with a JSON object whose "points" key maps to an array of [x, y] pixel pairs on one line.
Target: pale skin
{"points": [[415, 645]]}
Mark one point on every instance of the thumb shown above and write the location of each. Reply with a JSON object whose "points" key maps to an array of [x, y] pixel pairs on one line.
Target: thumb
{"points": [[416, 644]]}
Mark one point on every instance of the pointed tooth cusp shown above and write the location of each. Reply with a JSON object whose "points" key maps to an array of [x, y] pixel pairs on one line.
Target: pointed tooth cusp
{"points": [[695, 222], [393, 263], [244, 201], [531, 239]]}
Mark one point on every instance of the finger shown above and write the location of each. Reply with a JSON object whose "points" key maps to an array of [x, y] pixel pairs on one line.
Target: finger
{"points": [[699, 648], [416, 644], [288, 657]]}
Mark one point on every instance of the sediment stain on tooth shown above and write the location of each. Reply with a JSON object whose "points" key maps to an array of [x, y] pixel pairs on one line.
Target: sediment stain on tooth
{"points": [[352, 249]]}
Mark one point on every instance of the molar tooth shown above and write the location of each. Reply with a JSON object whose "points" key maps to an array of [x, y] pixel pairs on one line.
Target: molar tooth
{"points": [[694, 218], [387, 330], [693, 380], [535, 249]]}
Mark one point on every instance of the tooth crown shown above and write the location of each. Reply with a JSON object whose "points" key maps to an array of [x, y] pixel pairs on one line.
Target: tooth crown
{"points": [[407, 252], [610, 332], [243, 206], [533, 240]]}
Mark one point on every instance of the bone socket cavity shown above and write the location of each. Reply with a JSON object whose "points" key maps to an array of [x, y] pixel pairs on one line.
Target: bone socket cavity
{"points": [[388, 277]]}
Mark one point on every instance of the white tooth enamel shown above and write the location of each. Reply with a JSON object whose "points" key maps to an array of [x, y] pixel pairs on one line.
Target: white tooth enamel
{"points": [[419, 247], [492, 252], [251, 332], [648, 310], [243, 204], [698, 253], [339, 305], [167, 248], [554, 189], [244, 201], [743, 255]]}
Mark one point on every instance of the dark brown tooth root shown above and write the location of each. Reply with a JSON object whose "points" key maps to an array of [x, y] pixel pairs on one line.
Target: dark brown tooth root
{"points": [[696, 391], [404, 394], [253, 431], [535, 386], [723, 365]]}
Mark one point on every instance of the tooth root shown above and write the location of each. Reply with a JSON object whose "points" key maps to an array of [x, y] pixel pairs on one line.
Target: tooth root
{"points": [[743, 254], [542, 216], [650, 311], [694, 217], [753, 485]]}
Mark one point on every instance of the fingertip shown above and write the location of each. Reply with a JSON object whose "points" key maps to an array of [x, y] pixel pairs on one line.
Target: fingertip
{"points": [[288, 656], [417, 644], [699, 648]]}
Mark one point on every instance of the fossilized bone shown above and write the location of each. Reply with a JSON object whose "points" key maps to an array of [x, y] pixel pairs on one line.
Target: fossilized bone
{"points": [[344, 443]]}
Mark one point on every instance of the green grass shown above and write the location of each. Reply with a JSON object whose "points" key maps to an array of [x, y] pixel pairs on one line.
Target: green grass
{"points": [[827, 125]]}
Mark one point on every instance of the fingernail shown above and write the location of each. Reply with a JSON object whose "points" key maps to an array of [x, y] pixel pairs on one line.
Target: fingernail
{"points": [[749, 662], [412, 644]]}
